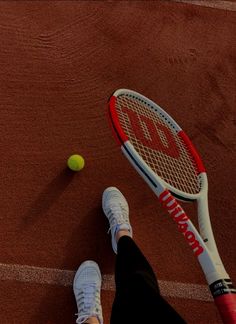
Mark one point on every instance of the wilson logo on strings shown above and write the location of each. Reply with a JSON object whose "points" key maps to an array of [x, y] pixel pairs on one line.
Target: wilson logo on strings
{"points": [[152, 134]]}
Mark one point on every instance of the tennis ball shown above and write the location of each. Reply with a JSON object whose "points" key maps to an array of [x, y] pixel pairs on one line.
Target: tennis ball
{"points": [[75, 162]]}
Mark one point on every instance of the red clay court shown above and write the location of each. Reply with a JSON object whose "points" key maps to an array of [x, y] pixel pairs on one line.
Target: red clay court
{"points": [[59, 63]]}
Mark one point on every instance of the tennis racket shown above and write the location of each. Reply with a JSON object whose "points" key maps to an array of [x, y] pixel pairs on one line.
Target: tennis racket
{"points": [[166, 159]]}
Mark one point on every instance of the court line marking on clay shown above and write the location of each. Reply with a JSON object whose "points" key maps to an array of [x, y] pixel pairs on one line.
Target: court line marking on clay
{"points": [[50, 276], [220, 4]]}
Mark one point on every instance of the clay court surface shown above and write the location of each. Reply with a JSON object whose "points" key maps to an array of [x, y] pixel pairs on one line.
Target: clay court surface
{"points": [[59, 63]]}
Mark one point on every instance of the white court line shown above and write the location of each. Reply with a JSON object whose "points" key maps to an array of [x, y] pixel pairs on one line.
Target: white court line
{"points": [[37, 275], [217, 4]]}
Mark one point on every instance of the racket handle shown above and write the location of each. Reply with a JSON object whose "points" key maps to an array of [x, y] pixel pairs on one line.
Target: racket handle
{"points": [[226, 305]]}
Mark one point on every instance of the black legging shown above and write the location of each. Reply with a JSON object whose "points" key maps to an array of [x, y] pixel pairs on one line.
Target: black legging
{"points": [[138, 299]]}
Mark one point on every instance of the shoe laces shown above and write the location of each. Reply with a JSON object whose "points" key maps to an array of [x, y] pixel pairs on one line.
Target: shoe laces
{"points": [[87, 302], [117, 215]]}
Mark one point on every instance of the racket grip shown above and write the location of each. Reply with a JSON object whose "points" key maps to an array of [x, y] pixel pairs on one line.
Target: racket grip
{"points": [[226, 305]]}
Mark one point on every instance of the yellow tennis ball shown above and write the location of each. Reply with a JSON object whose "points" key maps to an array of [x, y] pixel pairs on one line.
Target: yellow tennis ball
{"points": [[75, 162]]}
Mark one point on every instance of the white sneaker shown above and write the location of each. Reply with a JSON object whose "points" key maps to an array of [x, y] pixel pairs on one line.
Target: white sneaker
{"points": [[87, 289], [116, 210]]}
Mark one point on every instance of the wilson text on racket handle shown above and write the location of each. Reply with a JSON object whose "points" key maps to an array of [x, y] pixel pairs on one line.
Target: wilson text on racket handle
{"points": [[222, 290], [178, 215]]}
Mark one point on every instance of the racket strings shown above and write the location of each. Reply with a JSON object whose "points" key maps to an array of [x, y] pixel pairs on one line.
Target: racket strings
{"points": [[173, 163]]}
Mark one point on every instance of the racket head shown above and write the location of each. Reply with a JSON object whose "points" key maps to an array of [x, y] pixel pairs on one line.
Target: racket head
{"points": [[165, 152]]}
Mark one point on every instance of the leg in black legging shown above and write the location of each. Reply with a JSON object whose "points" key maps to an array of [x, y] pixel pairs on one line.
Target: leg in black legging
{"points": [[138, 298]]}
